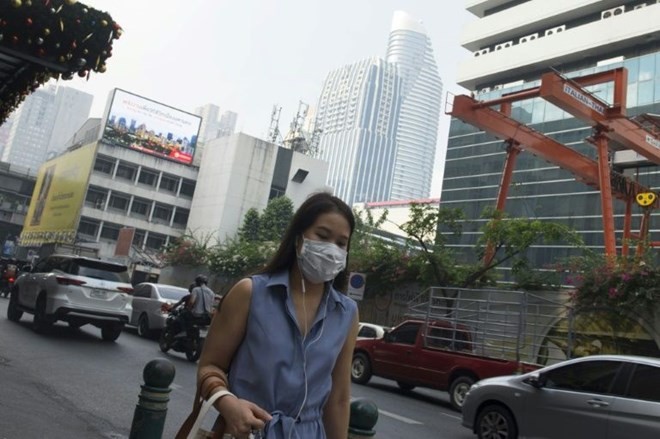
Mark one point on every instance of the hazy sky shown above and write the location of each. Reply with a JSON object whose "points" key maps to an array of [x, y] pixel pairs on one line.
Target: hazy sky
{"points": [[247, 55]]}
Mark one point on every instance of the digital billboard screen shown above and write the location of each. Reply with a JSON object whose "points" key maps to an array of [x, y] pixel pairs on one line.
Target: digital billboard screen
{"points": [[151, 127]]}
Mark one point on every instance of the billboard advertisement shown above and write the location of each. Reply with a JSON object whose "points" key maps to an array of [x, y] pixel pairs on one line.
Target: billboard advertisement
{"points": [[58, 197], [151, 127]]}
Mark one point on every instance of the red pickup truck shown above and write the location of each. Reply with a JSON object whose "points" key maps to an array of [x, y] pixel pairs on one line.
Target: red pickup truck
{"points": [[440, 357]]}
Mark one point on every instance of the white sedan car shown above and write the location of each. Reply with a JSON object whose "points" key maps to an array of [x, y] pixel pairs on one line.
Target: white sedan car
{"points": [[370, 330]]}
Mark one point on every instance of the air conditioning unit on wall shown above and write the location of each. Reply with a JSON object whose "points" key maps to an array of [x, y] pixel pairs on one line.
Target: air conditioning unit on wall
{"points": [[609, 13], [504, 45], [639, 6], [482, 52], [528, 38], [555, 30]]}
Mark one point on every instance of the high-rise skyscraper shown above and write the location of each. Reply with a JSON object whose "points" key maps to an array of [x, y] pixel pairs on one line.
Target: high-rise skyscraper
{"points": [[210, 114], [227, 124], [357, 113], [379, 120], [514, 43], [44, 122], [410, 50], [214, 124]]}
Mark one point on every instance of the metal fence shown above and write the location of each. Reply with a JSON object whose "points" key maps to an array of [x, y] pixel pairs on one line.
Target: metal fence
{"points": [[513, 325]]}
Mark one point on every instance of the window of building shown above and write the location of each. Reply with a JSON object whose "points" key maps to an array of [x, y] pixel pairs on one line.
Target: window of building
{"points": [[140, 207], [187, 188], [104, 165], [148, 177], [138, 237], [181, 217], [162, 213], [88, 227], [169, 183], [119, 202], [95, 197], [126, 171], [110, 231], [155, 241]]}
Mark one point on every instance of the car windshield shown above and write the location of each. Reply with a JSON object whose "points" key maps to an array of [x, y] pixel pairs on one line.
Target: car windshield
{"points": [[172, 293], [100, 270]]}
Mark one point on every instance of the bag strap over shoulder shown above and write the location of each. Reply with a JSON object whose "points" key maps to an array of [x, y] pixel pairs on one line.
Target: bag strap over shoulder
{"points": [[188, 424]]}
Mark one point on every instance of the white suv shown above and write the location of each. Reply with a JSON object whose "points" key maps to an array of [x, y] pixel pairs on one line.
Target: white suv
{"points": [[74, 289]]}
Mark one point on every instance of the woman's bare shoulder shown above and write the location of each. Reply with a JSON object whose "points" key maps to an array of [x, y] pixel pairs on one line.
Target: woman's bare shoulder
{"points": [[240, 291]]}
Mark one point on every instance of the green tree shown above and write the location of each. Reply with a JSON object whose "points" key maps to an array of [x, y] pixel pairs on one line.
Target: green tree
{"points": [[510, 238], [383, 262], [189, 249], [433, 260], [251, 228], [275, 218]]}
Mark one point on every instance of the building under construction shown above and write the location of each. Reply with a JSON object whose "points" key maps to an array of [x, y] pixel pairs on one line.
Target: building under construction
{"points": [[561, 123]]}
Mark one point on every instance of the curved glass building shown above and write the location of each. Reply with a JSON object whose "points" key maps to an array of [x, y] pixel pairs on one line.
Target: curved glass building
{"points": [[410, 50]]}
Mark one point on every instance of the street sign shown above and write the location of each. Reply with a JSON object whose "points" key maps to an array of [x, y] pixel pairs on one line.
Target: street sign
{"points": [[356, 284]]}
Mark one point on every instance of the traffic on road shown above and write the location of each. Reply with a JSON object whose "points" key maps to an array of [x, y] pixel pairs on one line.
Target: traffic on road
{"points": [[68, 383]]}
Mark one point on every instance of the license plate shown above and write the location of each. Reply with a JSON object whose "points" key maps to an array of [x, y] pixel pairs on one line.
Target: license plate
{"points": [[99, 294]]}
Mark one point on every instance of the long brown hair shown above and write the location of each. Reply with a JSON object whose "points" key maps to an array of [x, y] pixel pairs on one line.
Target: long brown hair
{"points": [[314, 206]]}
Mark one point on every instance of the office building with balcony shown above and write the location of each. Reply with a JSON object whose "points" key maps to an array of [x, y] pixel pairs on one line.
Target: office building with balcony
{"points": [[515, 42]]}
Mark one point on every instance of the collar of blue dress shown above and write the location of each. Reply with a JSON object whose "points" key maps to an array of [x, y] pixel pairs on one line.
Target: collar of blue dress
{"points": [[282, 278]]}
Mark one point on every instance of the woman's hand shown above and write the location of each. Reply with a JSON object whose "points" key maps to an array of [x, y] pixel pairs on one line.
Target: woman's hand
{"points": [[242, 416]]}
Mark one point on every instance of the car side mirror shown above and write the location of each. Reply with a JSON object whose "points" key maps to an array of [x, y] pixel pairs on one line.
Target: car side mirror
{"points": [[387, 337], [535, 380]]}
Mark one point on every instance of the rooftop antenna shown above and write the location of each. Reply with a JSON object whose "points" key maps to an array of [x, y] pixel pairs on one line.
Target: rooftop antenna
{"points": [[274, 134]]}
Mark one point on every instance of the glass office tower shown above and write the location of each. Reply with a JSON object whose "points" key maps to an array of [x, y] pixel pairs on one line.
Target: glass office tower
{"points": [[513, 44]]}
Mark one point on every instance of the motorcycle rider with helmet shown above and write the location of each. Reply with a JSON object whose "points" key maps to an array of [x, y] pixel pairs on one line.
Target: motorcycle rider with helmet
{"points": [[199, 306]]}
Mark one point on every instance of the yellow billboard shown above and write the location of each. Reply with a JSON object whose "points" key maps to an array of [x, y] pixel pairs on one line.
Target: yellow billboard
{"points": [[58, 197]]}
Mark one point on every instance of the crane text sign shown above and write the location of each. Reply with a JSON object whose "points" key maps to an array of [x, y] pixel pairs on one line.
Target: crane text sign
{"points": [[586, 100]]}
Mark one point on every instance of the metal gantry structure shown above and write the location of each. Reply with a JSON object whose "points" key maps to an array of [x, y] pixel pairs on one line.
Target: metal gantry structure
{"points": [[613, 130]]}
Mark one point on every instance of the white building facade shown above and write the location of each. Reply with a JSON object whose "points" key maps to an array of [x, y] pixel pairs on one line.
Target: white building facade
{"points": [[43, 123], [410, 50], [513, 44], [379, 120], [357, 114], [240, 172]]}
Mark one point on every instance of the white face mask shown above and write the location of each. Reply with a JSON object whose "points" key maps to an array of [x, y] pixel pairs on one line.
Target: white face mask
{"points": [[321, 261]]}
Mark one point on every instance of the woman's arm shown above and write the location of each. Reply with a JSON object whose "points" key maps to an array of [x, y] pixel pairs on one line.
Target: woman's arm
{"points": [[224, 337], [337, 410]]}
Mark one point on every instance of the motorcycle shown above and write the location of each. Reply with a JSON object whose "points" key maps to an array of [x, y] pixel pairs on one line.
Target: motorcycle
{"points": [[175, 337]]}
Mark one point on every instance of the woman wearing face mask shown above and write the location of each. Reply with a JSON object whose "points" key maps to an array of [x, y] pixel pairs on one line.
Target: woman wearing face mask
{"points": [[285, 336]]}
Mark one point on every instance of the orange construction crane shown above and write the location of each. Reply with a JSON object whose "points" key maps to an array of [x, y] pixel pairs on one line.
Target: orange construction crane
{"points": [[612, 130]]}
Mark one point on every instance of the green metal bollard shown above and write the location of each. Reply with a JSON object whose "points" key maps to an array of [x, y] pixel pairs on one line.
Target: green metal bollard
{"points": [[364, 415], [151, 409]]}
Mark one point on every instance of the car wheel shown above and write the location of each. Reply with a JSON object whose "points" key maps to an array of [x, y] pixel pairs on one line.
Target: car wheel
{"points": [[360, 368], [143, 326], [111, 332], [405, 386], [458, 390], [163, 341], [41, 323], [14, 313], [496, 422]]}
